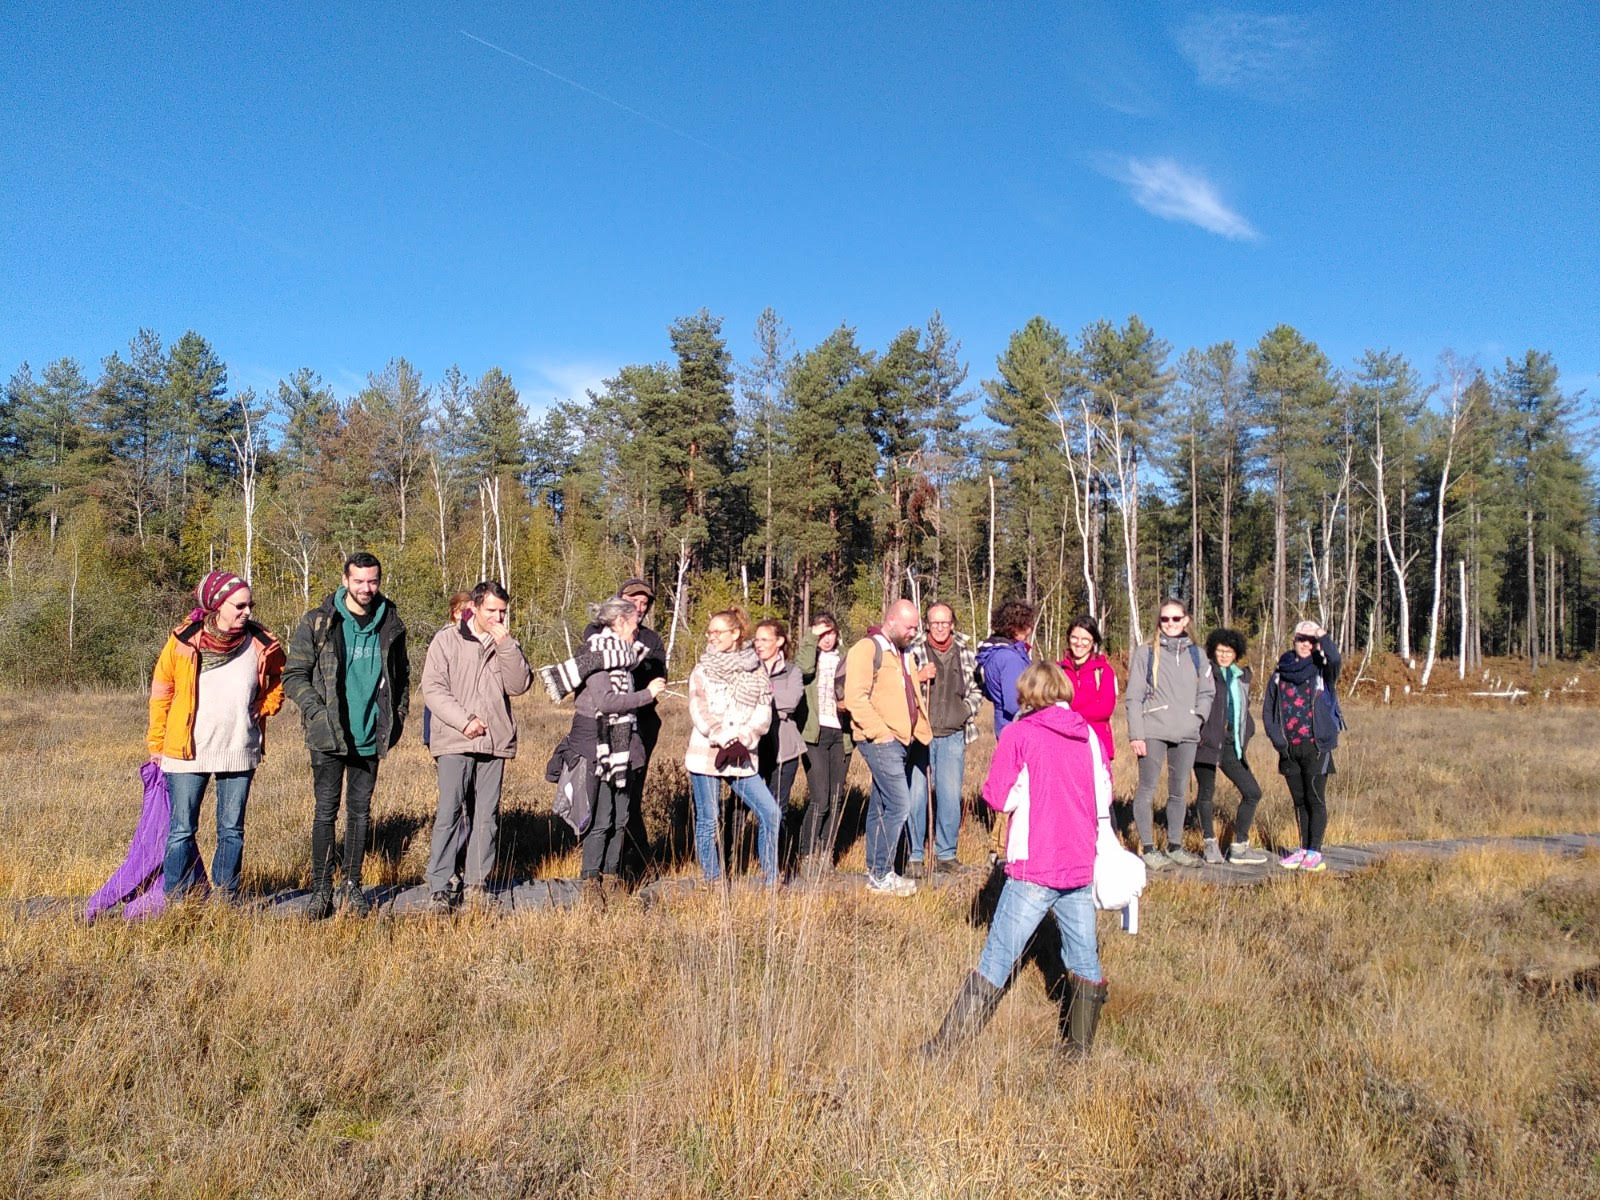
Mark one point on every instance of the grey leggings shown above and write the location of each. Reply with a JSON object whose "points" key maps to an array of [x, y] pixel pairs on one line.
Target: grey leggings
{"points": [[1178, 758]]}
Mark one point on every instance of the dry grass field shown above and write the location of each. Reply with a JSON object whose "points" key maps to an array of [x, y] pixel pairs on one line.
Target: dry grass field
{"points": [[1416, 1029]]}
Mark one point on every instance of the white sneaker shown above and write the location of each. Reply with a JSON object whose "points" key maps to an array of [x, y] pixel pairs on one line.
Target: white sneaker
{"points": [[890, 884]]}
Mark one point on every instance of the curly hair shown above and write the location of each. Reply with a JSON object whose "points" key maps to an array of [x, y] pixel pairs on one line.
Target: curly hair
{"points": [[1230, 638], [1014, 618]]}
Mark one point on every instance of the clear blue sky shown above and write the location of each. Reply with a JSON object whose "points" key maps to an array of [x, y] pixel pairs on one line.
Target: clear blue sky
{"points": [[544, 187]]}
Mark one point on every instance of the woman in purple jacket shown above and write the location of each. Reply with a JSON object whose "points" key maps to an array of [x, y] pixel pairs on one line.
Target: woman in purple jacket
{"points": [[1048, 771]]}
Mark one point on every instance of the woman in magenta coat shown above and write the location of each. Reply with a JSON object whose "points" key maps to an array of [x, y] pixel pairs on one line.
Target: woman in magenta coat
{"points": [[1094, 683]]}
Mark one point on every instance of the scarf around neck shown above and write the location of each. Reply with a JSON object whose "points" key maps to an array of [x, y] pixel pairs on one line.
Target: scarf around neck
{"points": [[739, 673], [1296, 670]]}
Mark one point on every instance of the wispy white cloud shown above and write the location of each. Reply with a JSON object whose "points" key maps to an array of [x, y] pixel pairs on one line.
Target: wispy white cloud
{"points": [[1246, 51], [550, 380], [1178, 193]]}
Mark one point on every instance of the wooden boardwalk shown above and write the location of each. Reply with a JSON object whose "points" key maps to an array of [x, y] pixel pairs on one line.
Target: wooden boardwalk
{"points": [[537, 895]]}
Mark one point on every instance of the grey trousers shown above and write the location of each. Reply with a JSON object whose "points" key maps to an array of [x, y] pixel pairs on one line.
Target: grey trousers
{"points": [[1178, 758], [468, 819]]}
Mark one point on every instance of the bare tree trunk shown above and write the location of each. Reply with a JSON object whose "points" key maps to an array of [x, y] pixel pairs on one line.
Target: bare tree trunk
{"points": [[1461, 669], [1533, 597], [1280, 553], [1438, 535], [677, 599], [1403, 634], [989, 615], [72, 602]]}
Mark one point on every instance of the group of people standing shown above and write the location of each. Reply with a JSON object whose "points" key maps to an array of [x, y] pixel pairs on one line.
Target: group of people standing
{"points": [[906, 696]]}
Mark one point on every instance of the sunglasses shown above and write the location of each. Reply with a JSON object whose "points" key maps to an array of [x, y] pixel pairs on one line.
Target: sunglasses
{"points": [[1305, 637], [1178, 620]]}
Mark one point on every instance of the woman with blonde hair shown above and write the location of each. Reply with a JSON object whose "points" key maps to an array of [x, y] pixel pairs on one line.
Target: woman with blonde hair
{"points": [[1050, 773], [730, 707]]}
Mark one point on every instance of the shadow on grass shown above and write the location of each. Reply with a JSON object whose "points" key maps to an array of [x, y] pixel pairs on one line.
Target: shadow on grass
{"points": [[1044, 947]]}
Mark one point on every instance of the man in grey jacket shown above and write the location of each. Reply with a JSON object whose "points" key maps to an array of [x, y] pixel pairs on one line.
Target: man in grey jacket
{"points": [[1170, 689], [472, 670]]}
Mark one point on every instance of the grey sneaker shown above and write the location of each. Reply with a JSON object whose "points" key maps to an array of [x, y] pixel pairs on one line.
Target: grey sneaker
{"points": [[1182, 857], [1240, 854], [1214, 852], [482, 900], [890, 884], [439, 904], [1156, 860]]}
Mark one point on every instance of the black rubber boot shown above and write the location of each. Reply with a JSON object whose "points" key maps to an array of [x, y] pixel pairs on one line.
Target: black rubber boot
{"points": [[969, 1013], [355, 900], [320, 906], [1080, 1013]]}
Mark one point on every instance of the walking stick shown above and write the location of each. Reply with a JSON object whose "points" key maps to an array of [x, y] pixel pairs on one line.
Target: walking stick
{"points": [[927, 848]]}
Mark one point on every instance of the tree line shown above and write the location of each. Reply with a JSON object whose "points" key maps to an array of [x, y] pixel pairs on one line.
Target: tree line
{"points": [[1451, 517]]}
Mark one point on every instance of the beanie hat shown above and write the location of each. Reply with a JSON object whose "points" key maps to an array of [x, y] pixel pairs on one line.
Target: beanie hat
{"points": [[211, 591]]}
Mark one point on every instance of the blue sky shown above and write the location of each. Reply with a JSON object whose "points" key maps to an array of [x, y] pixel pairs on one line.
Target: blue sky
{"points": [[545, 187]]}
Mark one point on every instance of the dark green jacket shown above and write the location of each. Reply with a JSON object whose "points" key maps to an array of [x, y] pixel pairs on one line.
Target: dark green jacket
{"points": [[315, 673]]}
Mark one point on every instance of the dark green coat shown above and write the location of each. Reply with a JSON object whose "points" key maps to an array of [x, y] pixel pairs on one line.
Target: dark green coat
{"points": [[314, 675]]}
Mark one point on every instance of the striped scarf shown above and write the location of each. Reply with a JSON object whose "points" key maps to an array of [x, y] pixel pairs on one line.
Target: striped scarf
{"points": [[614, 731]]}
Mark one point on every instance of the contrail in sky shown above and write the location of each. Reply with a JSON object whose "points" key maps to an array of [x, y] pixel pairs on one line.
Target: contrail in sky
{"points": [[589, 91]]}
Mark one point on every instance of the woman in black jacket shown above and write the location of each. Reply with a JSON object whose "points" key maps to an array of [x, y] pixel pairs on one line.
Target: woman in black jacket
{"points": [[1224, 742], [1301, 714]]}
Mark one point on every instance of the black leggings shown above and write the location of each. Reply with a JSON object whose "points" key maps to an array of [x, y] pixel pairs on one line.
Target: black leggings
{"points": [[1305, 769], [826, 766], [1239, 774]]}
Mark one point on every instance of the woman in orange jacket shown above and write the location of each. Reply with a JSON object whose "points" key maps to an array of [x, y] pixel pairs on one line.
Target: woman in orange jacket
{"points": [[218, 679]]}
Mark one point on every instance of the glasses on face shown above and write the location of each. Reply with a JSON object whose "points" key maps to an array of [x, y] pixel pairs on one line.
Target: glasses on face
{"points": [[940, 624], [711, 633], [1171, 620], [1305, 637]]}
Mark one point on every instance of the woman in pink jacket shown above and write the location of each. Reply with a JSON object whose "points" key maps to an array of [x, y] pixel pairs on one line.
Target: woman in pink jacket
{"points": [[1094, 683], [1048, 771]]}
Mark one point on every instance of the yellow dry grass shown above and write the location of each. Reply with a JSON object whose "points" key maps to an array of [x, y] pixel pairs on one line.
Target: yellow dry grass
{"points": [[1369, 1035]]}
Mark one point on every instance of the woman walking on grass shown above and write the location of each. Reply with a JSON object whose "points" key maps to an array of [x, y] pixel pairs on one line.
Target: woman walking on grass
{"points": [[605, 731], [826, 735], [1049, 773], [1224, 740], [1094, 683], [1170, 689], [219, 677], [730, 707], [1301, 714]]}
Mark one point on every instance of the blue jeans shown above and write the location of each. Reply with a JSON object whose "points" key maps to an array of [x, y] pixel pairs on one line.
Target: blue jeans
{"points": [[948, 759], [186, 790], [893, 767], [708, 799], [1022, 906]]}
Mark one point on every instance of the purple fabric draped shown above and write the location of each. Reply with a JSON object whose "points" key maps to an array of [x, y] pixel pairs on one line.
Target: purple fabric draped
{"points": [[138, 879]]}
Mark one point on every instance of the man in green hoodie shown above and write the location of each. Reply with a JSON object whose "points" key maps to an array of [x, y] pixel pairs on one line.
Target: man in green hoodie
{"points": [[348, 674]]}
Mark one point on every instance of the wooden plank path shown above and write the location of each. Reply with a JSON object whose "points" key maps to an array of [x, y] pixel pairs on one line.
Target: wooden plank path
{"points": [[537, 895]]}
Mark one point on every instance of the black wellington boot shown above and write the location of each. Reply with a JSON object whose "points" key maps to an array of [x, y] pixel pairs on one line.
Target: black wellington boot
{"points": [[969, 1013], [1080, 1013]]}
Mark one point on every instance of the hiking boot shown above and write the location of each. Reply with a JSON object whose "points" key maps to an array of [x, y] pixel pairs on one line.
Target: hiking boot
{"points": [[1313, 861], [1156, 860], [320, 906], [453, 890], [1213, 853], [1241, 855], [1291, 862], [890, 884], [1182, 857], [439, 904], [355, 900], [947, 866], [969, 1013], [480, 899], [1080, 1014]]}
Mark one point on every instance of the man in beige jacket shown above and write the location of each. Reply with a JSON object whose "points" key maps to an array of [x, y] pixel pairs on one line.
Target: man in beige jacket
{"points": [[885, 694], [472, 670]]}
